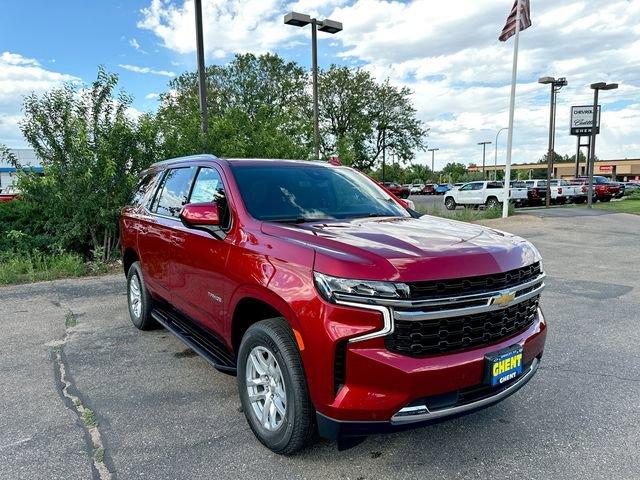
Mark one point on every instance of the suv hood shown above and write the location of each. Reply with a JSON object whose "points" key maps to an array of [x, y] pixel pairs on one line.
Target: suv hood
{"points": [[407, 249]]}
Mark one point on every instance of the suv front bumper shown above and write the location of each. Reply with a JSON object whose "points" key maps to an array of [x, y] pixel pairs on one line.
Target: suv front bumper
{"points": [[416, 415], [384, 391]]}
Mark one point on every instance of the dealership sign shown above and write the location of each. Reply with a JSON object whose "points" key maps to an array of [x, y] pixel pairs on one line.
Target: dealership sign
{"points": [[582, 118]]}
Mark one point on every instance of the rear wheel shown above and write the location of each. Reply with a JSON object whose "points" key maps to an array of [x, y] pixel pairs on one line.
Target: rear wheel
{"points": [[273, 387], [450, 203], [139, 299]]}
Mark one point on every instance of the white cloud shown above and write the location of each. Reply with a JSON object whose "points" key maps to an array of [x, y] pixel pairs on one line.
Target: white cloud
{"points": [[134, 43], [460, 73], [449, 55], [152, 96], [137, 69], [20, 76], [229, 26]]}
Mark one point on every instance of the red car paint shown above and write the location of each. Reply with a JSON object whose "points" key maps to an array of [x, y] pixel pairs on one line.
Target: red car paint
{"points": [[8, 197], [274, 263], [603, 188]]}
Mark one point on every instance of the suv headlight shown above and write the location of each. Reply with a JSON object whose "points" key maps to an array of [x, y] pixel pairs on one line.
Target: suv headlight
{"points": [[329, 286]]}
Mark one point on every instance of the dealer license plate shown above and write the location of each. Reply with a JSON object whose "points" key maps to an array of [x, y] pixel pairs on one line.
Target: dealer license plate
{"points": [[504, 365]]}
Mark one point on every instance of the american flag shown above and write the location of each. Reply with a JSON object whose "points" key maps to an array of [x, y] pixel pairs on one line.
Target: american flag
{"points": [[525, 20]]}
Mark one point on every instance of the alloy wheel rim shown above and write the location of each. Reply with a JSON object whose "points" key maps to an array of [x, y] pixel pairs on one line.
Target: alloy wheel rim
{"points": [[135, 298], [265, 388]]}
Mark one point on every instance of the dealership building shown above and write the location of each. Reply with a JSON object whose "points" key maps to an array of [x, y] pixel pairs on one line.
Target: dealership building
{"points": [[620, 170], [8, 174]]}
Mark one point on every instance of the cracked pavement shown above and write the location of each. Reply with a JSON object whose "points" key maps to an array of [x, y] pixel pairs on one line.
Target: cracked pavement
{"points": [[164, 413]]}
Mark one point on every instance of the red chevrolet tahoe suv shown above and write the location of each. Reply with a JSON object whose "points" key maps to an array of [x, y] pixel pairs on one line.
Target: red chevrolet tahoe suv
{"points": [[341, 312]]}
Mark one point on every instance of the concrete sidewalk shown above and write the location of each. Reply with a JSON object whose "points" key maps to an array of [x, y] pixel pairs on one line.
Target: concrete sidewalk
{"points": [[162, 412]]}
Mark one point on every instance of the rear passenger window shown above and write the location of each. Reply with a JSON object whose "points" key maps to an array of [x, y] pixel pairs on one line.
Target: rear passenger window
{"points": [[143, 188], [174, 192], [208, 187]]}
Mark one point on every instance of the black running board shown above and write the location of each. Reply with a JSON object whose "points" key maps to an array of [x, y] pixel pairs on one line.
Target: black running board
{"points": [[197, 338]]}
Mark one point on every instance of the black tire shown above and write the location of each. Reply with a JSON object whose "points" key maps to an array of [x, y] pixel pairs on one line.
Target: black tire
{"points": [[492, 202], [298, 427], [450, 203], [143, 320], [605, 199]]}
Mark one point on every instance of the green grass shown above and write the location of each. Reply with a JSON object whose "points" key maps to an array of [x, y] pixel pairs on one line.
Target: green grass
{"points": [[36, 266], [98, 455], [630, 204], [70, 319], [468, 214], [89, 418]]}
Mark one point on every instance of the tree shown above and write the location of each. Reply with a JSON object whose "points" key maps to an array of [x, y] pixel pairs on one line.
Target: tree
{"points": [[453, 172], [396, 127], [556, 158], [360, 118], [91, 151], [258, 106], [572, 159]]}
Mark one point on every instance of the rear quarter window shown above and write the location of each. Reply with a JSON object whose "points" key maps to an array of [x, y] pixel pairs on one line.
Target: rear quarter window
{"points": [[144, 188]]}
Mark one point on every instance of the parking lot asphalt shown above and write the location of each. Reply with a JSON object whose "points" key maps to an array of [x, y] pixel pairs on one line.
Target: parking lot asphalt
{"points": [[164, 413]]}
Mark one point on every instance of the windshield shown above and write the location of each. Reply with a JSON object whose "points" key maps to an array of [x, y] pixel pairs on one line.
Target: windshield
{"points": [[300, 192]]}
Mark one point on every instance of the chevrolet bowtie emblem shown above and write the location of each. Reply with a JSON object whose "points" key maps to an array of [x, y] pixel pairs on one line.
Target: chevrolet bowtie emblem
{"points": [[504, 298]]}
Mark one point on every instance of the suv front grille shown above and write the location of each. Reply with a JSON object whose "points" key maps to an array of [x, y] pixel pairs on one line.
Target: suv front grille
{"points": [[446, 335], [472, 285]]}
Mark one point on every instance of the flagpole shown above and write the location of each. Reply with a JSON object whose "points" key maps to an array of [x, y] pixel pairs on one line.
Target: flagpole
{"points": [[512, 104]]}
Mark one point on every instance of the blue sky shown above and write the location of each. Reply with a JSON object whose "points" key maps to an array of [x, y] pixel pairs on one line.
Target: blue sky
{"points": [[449, 57]]}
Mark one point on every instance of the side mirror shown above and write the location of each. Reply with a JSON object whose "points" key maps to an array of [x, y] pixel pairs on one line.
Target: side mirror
{"points": [[200, 215]]}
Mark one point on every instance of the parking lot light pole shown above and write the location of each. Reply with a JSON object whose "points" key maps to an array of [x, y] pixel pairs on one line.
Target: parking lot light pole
{"points": [[556, 85], [484, 152], [328, 26], [596, 87], [433, 172], [495, 159], [202, 81]]}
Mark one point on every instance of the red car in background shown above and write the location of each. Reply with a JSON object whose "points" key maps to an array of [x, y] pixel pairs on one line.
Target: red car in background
{"points": [[397, 189], [340, 312], [428, 189], [8, 194], [603, 188]]}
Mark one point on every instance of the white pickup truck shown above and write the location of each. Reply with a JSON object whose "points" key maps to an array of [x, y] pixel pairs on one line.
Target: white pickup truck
{"points": [[489, 194], [573, 193], [557, 190]]}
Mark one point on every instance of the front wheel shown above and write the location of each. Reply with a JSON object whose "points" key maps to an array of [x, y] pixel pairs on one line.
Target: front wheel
{"points": [[273, 387], [492, 202], [450, 203]]}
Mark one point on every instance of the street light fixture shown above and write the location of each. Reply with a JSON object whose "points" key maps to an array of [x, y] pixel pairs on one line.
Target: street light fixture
{"points": [[495, 159], [433, 172], [329, 26], [484, 151], [556, 85], [596, 87]]}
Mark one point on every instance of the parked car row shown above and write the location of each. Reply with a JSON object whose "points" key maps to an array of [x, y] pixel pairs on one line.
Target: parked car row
{"points": [[534, 192], [432, 189]]}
